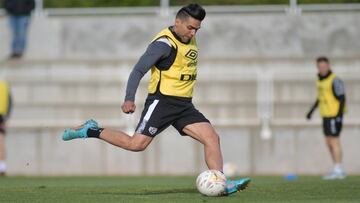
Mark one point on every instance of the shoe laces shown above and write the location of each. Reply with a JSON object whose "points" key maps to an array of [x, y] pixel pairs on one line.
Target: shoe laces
{"points": [[90, 123]]}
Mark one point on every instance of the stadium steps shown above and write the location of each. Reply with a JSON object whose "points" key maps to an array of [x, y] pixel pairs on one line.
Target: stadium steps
{"points": [[77, 90]]}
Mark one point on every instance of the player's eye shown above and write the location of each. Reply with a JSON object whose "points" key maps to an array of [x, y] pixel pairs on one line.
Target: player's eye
{"points": [[192, 28]]}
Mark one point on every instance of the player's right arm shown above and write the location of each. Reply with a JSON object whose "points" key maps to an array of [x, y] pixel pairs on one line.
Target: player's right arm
{"points": [[313, 107], [156, 51]]}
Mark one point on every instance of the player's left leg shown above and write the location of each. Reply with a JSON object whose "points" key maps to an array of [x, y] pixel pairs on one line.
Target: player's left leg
{"points": [[329, 146], [336, 149], [334, 146], [206, 134]]}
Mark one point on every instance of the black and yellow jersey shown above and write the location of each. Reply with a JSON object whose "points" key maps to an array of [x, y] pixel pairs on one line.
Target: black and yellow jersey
{"points": [[330, 88], [5, 99], [173, 66], [175, 75]]}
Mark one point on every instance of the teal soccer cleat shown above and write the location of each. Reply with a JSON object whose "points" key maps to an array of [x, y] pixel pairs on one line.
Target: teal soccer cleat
{"points": [[233, 186], [79, 132]]}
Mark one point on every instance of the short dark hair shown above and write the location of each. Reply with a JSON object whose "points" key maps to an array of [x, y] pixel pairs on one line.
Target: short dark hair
{"points": [[193, 10], [322, 59]]}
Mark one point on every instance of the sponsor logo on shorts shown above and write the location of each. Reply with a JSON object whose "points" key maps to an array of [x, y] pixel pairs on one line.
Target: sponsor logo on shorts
{"points": [[152, 130]]}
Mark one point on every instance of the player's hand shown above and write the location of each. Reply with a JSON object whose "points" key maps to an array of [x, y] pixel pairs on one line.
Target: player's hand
{"points": [[308, 115], [128, 107]]}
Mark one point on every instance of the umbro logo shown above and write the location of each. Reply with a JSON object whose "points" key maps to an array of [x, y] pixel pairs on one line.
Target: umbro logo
{"points": [[192, 54]]}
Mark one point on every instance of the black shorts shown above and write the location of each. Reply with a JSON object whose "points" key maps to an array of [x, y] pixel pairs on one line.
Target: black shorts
{"points": [[332, 126], [161, 111]]}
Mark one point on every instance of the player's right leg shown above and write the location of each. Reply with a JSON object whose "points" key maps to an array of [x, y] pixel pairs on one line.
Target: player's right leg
{"points": [[136, 143], [154, 119], [90, 128], [80, 131]]}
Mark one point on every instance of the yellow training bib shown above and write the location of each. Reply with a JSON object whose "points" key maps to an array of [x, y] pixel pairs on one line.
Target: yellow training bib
{"points": [[4, 98], [328, 103], [179, 79]]}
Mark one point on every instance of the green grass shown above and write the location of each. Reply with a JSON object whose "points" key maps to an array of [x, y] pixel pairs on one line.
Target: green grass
{"points": [[172, 189]]}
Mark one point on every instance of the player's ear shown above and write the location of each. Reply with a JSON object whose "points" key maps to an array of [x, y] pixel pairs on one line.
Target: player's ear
{"points": [[177, 21]]}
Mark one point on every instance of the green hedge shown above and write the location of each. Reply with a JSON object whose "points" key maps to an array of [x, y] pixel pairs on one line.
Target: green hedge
{"points": [[133, 3], [327, 1]]}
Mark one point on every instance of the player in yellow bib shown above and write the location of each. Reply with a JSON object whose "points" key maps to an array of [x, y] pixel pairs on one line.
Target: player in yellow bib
{"points": [[5, 107], [172, 58], [331, 101]]}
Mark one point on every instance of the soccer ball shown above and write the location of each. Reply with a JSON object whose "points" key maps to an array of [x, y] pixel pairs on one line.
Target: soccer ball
{"points": [[211, 183]]}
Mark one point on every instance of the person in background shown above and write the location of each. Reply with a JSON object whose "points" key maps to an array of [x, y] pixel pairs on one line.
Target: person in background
{"points": [[5, 107], [331, 100], [19, 12]]}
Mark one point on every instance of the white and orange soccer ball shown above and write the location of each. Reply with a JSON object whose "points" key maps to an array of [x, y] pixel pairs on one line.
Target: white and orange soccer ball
{"points": [[211, 183]]}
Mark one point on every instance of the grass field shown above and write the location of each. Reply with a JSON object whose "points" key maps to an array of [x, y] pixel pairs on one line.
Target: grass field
{"points": [[172, 189]]}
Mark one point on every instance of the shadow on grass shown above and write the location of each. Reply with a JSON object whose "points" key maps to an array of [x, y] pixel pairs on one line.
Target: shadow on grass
{"points": [[152, 192]]}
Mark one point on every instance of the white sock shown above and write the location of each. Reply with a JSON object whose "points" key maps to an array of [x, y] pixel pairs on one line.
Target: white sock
{"points": [[337, 168], [2, 166]]}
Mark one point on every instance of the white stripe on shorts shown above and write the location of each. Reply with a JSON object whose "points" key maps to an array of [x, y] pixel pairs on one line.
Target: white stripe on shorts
{"points": [[147, 116], [151, 109], [332, 126]]}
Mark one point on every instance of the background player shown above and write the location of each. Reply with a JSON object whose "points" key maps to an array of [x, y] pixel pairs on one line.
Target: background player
{"points": [[172, 58], [331, 100]]}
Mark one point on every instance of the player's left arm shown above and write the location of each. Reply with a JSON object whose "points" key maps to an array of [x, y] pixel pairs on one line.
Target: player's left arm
{"points": [[339, 93]]}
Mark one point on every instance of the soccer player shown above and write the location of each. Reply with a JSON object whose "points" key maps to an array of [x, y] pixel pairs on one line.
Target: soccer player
{"points": [[172, 59], [5, 106], [331, 100]]}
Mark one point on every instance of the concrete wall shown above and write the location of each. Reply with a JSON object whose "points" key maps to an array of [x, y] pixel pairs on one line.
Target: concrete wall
{"points": [[299, 150], [76, 68], [226, 35], [50, 96]]}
